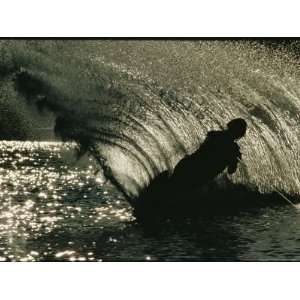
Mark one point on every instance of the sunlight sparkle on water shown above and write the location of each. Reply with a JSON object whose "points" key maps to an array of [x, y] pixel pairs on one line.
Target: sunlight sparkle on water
{"points": [[42, 197]]}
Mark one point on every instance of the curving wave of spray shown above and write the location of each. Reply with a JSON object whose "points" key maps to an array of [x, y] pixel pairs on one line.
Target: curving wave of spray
{"points": [[140, 106]]}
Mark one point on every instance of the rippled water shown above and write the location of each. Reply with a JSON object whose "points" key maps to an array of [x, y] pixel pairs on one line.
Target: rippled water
{"points": [[53, 208]]}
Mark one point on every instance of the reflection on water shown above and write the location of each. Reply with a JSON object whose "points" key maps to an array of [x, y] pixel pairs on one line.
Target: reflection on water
{"points": [[54, 209]]}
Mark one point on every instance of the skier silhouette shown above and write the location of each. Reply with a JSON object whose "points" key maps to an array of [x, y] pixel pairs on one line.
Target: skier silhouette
{"points": [[218, 152]]}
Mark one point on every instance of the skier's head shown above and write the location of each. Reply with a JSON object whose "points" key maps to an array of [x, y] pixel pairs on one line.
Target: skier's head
{"points": [[237, 128]]}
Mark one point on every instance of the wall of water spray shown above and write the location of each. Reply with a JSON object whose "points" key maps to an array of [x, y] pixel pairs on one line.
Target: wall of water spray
{"points": [[140, 106]]}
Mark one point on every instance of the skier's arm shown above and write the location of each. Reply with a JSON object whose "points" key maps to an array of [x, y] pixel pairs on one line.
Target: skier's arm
{"points": [[232, 167], [234, 163]]}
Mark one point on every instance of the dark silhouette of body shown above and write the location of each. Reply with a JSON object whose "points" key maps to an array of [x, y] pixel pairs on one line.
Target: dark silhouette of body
{"points": [[218, 152]]}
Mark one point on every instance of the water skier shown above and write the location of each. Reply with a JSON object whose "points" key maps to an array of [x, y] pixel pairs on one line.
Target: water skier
{"points": [[218, 152]]}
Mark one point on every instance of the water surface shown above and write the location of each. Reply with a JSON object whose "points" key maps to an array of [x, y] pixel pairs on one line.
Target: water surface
{"points": [[53, 208]]}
